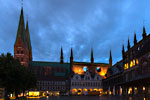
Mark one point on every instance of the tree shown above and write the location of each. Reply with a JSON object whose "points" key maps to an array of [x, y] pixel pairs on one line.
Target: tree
{"points": [[13, 76]]}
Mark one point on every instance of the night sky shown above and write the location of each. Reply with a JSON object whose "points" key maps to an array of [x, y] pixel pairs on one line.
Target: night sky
{"points": [[80, 24]]}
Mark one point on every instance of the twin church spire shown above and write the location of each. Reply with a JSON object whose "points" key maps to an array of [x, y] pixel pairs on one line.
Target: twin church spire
{"points": [[22, 44]]}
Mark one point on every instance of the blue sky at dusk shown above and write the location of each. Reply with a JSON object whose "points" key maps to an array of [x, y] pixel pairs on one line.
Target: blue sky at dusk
{"points": [[80, 24]]}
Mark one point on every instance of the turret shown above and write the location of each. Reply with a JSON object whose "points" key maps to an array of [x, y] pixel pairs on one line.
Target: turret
{"points": [[128, 44], [92, 58], [123, 51], [61, 57], [135, 40], [71, 56], [110, 59], [144, 32]]}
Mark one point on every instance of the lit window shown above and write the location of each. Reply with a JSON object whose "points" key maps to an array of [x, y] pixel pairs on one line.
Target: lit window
{"points": [[127, 66], [131, 64], [137, 62]]}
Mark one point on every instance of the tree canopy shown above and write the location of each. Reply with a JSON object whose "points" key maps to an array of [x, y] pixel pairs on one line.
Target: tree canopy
{"points": [[13, 76]]}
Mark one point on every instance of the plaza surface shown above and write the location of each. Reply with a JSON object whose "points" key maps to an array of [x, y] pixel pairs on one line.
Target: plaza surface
{"points": [[80, 98]]}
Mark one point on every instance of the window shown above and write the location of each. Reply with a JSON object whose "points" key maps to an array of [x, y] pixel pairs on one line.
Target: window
{"points": [[17, 58], [21, 59], [21, 51], [137, 62], [85, 68], [97, 78], [17, 51], [98, 69], [77, 77]]}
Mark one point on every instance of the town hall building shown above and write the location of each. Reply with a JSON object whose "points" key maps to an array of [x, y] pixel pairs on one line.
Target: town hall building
{"points": [[57, 77]]}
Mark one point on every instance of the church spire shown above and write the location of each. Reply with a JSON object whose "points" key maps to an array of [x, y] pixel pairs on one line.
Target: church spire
{"points": [[144, 32], [122, 51], [21, 35], [61, 57], [71, 56], [92, 58], [110, 59], [21, 42], [135, 40], [28, 41], [128, 43]]}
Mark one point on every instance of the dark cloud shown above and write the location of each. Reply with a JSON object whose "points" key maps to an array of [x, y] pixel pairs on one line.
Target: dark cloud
{"points": [[80, 24]]}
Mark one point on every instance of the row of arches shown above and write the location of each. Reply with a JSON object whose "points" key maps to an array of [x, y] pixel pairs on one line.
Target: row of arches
{"points": [[84, 91]]}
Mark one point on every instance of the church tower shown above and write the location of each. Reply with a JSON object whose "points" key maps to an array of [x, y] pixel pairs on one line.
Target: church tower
{"points": [[21, 47]]}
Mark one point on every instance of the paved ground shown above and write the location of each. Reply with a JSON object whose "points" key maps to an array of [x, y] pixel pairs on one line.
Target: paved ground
{"points": [[80, 98]]}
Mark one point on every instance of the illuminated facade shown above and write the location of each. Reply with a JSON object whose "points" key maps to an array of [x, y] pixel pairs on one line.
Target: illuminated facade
{"points": [[53, 76], [82, 84], [134, 80]]}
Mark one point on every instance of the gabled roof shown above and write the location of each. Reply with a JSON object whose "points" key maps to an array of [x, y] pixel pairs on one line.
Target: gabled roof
{"points": [[46, 64], [50, 64], [115, 69]]}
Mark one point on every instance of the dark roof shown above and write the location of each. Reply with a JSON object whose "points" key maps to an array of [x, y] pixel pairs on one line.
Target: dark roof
{"points": [[138, 43], [50, 64], [144, 49], [90, 63], [115, 69]]}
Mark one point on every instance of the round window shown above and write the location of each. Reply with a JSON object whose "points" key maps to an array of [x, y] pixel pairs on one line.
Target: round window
{"points": [[84, 68], [98, 69]]}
